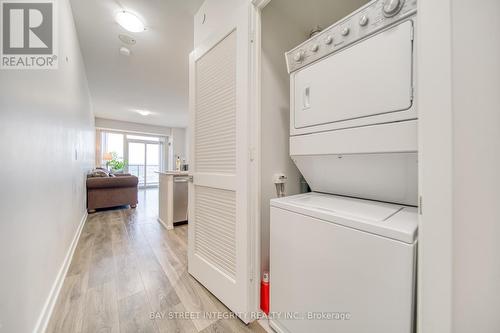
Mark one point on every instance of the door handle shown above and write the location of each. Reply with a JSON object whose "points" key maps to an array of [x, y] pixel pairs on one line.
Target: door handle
{"points": [[307, 98]]}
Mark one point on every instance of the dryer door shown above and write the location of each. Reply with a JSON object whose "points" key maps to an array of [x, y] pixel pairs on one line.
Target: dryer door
{"points": [[370, 78]]}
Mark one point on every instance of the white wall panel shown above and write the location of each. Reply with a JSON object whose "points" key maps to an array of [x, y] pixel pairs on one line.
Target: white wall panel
{"points": [[46, 147]]}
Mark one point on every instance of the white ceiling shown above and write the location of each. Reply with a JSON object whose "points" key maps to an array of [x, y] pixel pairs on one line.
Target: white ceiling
{"points": [[155, 76]]}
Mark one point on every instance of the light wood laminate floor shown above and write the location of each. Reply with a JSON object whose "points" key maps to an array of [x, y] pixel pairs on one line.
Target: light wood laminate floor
{"points": [[128, 268]]}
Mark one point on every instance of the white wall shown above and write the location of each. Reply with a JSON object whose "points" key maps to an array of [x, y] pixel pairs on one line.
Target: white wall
{"points": [[476, 166], [179, 143], [46, 148], [211, 15], [458, 101], [278, 36], [132, 127]]}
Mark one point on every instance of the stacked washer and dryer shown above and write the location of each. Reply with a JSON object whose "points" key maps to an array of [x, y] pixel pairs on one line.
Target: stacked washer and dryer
{"points": [[343, 257]]}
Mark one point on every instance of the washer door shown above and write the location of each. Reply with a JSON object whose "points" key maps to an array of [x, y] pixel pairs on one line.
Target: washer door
{"points": [[370, 78]]}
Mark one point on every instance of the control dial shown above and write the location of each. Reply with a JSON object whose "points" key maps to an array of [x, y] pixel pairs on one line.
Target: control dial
{"points": [[299, 56], [392, 7], [328, 40], [345, 31], [314, 48], [363, 20]]}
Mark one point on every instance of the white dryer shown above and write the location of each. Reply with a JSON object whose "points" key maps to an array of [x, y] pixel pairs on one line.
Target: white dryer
{"points": [[342, 265], [353, 121]]}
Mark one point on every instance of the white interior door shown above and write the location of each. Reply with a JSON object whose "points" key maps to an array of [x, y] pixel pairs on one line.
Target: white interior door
{"points": [[219, 236]]}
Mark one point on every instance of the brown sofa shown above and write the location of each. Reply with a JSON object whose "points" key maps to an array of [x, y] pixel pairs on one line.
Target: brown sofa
{"points": [[111, 191]]}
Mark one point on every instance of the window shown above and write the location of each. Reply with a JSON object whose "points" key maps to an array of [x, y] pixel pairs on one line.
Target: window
{"points": [[114, 144], [143, 154]]}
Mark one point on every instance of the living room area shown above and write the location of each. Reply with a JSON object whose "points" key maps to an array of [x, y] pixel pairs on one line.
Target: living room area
{"points": [[129, 159]]}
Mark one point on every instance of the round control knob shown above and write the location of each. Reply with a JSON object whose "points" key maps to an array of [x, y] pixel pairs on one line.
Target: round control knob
{"points": [[314, 48], [298, 56], [345, 31], [392, 7], [328, 40], [363, 20]]}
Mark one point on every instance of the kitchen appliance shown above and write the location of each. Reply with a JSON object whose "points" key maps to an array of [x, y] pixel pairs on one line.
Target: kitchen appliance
{"points": [[180, 191]]}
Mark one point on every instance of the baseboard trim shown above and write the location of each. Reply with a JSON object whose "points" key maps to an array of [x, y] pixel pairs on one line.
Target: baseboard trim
{"points": [[165, 225], [264, 323], [43, 320], [180, 223], [275, 326]]}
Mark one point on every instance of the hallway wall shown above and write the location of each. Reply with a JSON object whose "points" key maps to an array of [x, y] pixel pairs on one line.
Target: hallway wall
{"points": [[46, 148], [476, 163], [211, 15]]}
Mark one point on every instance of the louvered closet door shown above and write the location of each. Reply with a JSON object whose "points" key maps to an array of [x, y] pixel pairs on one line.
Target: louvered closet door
{"points": [[218, 221]]}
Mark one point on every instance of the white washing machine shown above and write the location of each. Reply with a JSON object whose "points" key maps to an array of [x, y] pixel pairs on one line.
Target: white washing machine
{"points": [[341, 264]]}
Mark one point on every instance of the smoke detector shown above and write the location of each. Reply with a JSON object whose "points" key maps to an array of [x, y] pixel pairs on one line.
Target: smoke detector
{"points": [[124, 51]]}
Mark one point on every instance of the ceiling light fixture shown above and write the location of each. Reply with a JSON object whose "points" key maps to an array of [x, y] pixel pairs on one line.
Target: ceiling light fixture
{"points": [[144, 112], [129, 21]]}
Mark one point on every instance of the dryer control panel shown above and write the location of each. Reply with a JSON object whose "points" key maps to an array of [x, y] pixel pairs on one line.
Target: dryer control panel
{"points": [[364, 22]]}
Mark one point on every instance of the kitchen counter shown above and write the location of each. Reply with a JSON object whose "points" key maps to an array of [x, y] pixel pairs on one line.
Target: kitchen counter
{"points": [[173, 173]]}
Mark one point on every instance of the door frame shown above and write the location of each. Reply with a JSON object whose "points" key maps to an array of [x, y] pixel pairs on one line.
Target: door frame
{"points": [[255, 146], [434, 99]]}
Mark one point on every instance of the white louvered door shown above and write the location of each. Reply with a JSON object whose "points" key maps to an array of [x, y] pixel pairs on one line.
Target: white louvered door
{"points": [[219, 237]]}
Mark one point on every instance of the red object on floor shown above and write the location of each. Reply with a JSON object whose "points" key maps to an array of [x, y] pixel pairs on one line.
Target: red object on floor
{"points": [[264, 293]]}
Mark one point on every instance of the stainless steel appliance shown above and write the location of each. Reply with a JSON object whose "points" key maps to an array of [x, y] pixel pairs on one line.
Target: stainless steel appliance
{"points": [[180, 199]]}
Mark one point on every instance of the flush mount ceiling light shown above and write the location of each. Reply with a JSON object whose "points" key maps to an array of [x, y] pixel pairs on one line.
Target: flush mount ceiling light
{"points": [[129, 21], [143, 112]]}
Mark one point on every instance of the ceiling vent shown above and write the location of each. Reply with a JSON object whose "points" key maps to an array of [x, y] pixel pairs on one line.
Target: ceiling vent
{"points": [[127, 39]]}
